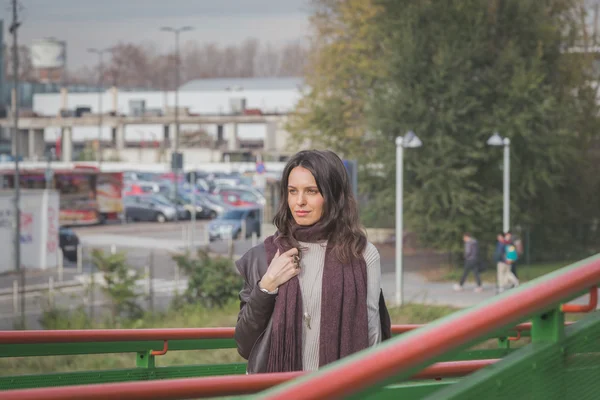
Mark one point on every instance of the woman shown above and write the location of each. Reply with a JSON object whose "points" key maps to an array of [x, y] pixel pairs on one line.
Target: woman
{"points": [[312, 292]]}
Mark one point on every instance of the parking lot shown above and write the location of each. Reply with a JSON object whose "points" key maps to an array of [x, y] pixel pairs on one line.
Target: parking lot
{"points": [[148, 248]]}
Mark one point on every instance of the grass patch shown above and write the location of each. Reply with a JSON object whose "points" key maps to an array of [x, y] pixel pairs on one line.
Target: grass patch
{"points": [[448, 273], [419, 313]]}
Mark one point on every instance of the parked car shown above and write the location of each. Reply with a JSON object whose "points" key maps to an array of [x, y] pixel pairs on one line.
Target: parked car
{"points": [[232, 221], [182, 212], [148, 208], [185, 200], [240, 195], [140, 187], [214, 204], [68, 242]]}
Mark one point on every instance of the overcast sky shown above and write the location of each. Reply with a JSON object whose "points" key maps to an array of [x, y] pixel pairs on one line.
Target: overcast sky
{"points": [[102, 23]]}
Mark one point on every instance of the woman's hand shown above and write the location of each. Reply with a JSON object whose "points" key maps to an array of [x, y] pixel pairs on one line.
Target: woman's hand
{"points": [[283, 267]]}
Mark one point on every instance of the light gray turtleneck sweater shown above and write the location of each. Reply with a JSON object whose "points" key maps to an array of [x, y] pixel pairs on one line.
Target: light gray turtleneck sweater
{"points": [[311, 283]]}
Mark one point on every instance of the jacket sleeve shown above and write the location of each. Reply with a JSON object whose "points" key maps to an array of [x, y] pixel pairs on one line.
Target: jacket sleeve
{"points": [[256, 308], [469, 250]]}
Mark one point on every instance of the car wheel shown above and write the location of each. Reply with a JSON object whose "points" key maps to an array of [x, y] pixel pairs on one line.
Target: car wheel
{"points": [[160, 218]]}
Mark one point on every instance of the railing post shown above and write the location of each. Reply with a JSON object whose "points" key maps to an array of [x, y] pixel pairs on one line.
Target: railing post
{"points": [[206, 237], [79, 258], [61, 265], [549, 328], [503, 343], [150, 281], [15, 297], [51, 291], [144, 359]]}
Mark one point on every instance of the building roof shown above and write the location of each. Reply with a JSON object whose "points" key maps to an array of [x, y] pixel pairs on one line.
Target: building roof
{"points": [[240, 84]]}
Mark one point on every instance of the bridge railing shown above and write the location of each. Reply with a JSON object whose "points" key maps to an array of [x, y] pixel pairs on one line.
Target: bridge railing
{"points": [[414, 354], [150, 344], [365, 374]]}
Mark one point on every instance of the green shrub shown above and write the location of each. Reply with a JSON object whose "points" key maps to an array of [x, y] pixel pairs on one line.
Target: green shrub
{"points": [[120, 282], [212, 281]]}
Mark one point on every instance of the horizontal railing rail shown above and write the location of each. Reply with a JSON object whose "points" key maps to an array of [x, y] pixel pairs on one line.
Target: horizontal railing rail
{"points": [[211, 387], [137, 335], [105, 341]]}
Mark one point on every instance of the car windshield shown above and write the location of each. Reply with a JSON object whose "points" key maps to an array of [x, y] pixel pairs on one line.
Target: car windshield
{"points": [[233, 214], [214, 198], [66, 231], [187, 197], [161, 200]]}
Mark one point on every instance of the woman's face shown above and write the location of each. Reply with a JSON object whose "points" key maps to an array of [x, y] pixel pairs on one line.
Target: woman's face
{"points": [[304, 199]]}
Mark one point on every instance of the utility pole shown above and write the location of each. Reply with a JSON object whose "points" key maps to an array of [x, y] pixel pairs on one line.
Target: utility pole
{"points": [[15, 95]]}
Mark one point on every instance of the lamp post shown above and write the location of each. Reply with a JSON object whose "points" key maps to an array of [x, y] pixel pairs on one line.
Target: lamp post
{"points": [[176, 31], [411, 141], [174, 167], [100, 53], [497, 140]]}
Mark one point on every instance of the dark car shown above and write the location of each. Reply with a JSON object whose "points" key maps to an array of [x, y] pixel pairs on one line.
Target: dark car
{"points": [[232, 223], [68, 243], [148, 208]]}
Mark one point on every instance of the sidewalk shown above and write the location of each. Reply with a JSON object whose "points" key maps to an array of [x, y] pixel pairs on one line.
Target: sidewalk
{"points": [[418, 290], [38, 280]]}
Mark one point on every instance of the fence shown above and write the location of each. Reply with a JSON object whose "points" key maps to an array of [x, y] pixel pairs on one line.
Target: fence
{"points": [[77, 283]]}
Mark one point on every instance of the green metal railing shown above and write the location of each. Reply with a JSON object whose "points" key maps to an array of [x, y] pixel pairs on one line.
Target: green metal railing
{"points": [[562, 359], [158, 342], [375, 373]]}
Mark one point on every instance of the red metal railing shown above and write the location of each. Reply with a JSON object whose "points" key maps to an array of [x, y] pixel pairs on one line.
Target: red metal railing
{"points": [[576, 308], [435, 339], [112, 335], [208, 387], [126, 335]]}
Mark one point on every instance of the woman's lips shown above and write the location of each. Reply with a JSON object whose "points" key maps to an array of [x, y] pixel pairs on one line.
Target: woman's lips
{"points": [[302, 213]]}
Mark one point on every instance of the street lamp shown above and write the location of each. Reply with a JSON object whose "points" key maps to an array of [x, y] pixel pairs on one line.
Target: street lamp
{"points": [[100, 53], [176, 31], [175, 153], [409, 141], [497, 140]]}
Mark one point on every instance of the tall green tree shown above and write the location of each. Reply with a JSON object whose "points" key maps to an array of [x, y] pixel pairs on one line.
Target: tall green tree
{"points": [[343, 67], [457, 71]]}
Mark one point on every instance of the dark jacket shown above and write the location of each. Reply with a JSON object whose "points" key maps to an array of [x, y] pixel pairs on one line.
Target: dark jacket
{"points": [[471, 251], [253, 327], [499, 252]]}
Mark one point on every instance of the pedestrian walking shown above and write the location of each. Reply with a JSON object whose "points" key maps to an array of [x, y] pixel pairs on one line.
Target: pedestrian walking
{"points": [[471, 262], [503, 257]]}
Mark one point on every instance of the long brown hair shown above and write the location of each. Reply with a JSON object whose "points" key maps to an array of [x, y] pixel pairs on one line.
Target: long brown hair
{"points": [[339, 222]]}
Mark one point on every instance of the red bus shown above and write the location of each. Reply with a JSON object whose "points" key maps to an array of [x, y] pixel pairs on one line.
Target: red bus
{"points": [[87, 196]]}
